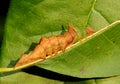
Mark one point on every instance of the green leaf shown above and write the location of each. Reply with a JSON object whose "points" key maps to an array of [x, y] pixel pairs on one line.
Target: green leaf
{"points": [[28, 20]]}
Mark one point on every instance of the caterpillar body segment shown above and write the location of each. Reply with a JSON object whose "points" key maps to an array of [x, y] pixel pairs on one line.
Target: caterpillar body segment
{"points": [[62, 42], [45, 43], [49, 46], [55, 44]]}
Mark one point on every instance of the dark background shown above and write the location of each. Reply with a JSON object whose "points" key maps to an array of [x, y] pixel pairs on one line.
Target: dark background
{"points": [[4, 5]]}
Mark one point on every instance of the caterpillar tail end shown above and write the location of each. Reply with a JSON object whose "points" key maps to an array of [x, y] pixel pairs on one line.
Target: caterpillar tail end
{"points": [[21, 61]]}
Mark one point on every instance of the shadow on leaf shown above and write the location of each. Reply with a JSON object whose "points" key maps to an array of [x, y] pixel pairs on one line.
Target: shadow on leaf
{"points": [[34, 70]]}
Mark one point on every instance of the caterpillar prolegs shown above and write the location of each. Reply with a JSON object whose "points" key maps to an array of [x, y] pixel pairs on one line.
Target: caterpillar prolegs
{"points": [[49, 46]]}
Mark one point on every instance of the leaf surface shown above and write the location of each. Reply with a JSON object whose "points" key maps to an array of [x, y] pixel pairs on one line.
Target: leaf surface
{"points": [[29, 20]]}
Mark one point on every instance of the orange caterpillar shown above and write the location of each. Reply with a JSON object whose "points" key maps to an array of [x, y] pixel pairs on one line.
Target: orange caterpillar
{"points": [[49, 46]]}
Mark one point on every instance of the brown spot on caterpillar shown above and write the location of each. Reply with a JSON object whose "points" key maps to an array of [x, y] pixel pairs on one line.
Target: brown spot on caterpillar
{"points": [[49, 46], [89, 31]]}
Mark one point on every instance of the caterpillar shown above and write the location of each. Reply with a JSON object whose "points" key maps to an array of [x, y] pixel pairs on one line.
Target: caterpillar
{"points": [[48, 46], [51, 45]]}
